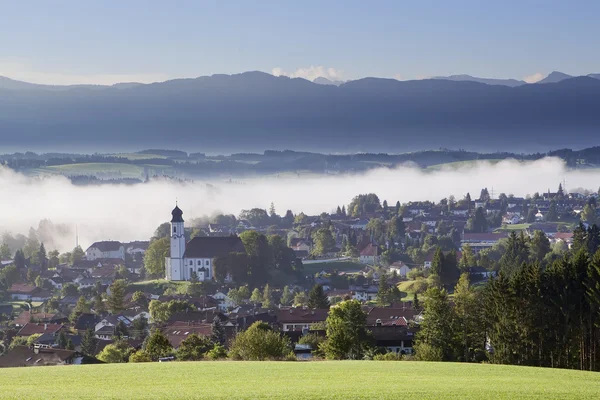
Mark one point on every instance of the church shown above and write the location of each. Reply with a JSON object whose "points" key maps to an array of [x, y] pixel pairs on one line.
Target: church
{"points": [[196, 255]]}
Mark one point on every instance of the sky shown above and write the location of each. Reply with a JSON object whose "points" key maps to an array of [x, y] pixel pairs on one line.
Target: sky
{"points": [[104, 42]]}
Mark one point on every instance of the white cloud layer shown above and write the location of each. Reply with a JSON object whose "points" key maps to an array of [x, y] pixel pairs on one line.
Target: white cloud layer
{"points": [[538, 76], [311, 73], [23, 71], [132, 212]]}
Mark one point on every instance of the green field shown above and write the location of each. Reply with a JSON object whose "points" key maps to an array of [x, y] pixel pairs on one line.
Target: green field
{"points": [[515, 227], [347, 265], [462, 164], [126, 170], [297, 380]]}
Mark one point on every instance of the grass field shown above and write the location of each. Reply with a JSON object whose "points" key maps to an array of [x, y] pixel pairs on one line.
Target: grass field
{"points": [[297, 380], [347, 265], [126, 170], [515, 227]]}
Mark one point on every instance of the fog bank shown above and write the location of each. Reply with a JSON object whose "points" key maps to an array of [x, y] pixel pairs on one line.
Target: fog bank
{"points": [[122, 212]]}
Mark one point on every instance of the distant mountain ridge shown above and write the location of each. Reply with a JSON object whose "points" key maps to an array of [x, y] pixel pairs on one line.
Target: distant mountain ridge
{"points": [[255, 110], [487, 81]]}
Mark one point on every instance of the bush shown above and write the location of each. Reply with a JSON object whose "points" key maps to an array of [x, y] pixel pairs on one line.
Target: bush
{"points": [[290, 357], [218, 352], [260, 343], [391, 356], [117, 352], [139, 357], [426, 352]]}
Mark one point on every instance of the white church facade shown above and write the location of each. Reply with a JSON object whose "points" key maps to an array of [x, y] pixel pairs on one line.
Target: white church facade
{"points": [[197, 255]]}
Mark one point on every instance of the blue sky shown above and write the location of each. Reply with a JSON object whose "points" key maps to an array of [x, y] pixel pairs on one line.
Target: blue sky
{"points": [[108, 41]]}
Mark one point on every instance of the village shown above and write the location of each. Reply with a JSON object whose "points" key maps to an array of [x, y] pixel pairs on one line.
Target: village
{"points": [[215, 279]]}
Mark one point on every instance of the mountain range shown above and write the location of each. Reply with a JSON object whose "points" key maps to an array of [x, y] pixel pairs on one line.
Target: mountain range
{"points": [[254, 110]]}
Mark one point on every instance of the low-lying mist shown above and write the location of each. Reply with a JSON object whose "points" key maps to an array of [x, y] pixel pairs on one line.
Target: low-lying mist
{"points": [[132, 212]]}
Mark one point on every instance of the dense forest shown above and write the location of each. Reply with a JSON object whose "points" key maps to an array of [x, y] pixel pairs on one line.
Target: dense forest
{"points": [[527, 315]]}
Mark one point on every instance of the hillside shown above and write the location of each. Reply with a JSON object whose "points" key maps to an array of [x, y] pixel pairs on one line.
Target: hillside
{"points": [[297, 380], [253, 111]]}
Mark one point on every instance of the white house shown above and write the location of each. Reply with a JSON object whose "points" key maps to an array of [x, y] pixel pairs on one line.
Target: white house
{"points": [[197, 255], [364, 293], [225, 302], [370, 255], [106, 249], [400, 268]]}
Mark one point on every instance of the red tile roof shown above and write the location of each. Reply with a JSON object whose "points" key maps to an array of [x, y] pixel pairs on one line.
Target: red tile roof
{"points": [[300, 315], [369, 251], [30, 329], [177, 332], [389, 315], [22, 288]]}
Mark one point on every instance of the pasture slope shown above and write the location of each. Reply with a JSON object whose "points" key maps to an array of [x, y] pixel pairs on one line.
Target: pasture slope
{"points": [[297, 380]]}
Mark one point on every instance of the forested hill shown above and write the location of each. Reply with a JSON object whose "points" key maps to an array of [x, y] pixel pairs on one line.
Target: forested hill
{"points": [[254, 111]]}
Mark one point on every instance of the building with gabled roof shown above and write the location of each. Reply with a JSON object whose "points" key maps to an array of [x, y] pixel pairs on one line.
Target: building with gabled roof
{"points": [[105, 249], [196, 256]]}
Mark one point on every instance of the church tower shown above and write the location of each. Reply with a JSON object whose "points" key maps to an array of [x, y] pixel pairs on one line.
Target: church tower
{"points": [[177, 245]]}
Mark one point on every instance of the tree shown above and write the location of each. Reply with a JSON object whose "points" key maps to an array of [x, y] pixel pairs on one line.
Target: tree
{"points": [[220, 267], [193, 348], [217, 332], [259, 342], [157, 345], [89, 343], [256, 297], [139, 328], [267, 297], [324, 241], [552, 215], [154, 257], [9, 275], [70, 289], [468, 258], [287, 296], [140, 299], [116, 298], [70, 345], [117, 352], [383, 293], [19, 260], [42, 257], [77, 255], [480, 222], [437, 264], [347, 336], [99, 306], [540, 246], [61, 340], [588, 215], [435, 339], [121, 330], [300, 299], [317, 298], [5, 253], [469, 326], [82, 306]]}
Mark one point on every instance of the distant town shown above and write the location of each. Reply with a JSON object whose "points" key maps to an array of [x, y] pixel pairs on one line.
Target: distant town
{"points": [[211, 280]]}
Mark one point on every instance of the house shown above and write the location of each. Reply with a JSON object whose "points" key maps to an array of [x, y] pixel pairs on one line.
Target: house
{"points": [[24, 356], [137, 248], [364, 293], [177, 332], [23, 291], [86, 321], [400, 269], [225, 302], [480, 273], [31, 328], [27, 316], [105, 329], [481, 241], [461, 211], [394, 338], [511, 219], [106, 249], [196, 256], [301, 244], [370, 255], [299, 319]]}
